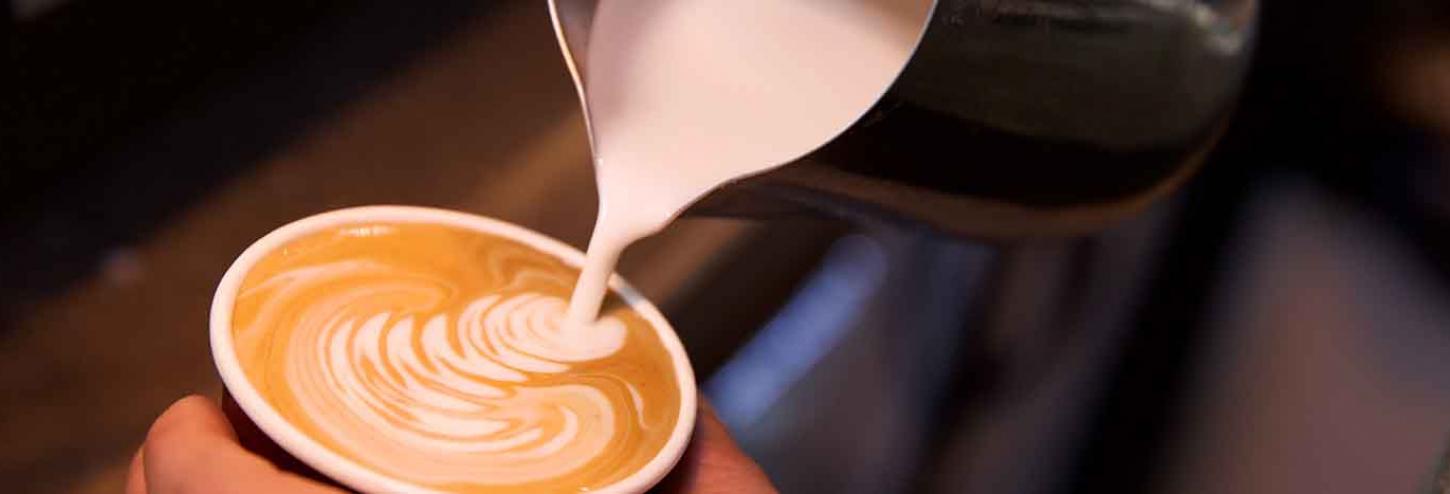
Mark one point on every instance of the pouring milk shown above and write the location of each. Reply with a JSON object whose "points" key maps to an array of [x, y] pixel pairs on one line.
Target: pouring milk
{"points": [[682, 96]]}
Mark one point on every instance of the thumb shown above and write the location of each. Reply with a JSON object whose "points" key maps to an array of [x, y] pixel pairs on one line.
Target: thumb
{"points": [[192, 449]]}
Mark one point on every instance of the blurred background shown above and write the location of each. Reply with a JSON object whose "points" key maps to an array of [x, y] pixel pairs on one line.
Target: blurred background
{"points": [[1281, 323]]}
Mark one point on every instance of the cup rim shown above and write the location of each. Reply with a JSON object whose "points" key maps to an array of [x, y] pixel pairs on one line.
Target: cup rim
{"points": [[357, 476]]}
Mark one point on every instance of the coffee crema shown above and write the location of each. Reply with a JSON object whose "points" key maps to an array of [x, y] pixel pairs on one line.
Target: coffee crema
{"points": [[438, 356]]}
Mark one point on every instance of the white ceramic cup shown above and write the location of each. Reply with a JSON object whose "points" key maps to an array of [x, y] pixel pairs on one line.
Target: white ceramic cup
{"points": [[361, 478]]}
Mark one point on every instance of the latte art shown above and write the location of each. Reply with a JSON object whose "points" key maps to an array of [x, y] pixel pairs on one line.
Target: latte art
{"points": [[448, 401], [441, 357]]}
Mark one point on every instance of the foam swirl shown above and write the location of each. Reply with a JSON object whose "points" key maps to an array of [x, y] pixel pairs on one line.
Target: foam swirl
{"points": [[461, 378]]}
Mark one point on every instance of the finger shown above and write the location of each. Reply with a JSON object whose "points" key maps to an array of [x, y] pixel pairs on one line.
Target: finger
{"points": [[714, 464], [254, 440], [192, 449], [136, 477]]}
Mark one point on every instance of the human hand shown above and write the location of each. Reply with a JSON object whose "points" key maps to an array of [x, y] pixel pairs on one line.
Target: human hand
{"points": [[714, 464], [193, 448]]}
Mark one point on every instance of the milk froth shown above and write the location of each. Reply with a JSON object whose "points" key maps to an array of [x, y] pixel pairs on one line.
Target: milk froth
{"points": [[685, 95]]}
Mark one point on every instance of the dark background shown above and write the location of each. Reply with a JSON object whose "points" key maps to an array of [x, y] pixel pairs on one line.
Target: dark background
{"points": [[1280, 325]]}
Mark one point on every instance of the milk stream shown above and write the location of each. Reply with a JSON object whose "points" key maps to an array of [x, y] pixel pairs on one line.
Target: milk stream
{"points": [[683, 96]]}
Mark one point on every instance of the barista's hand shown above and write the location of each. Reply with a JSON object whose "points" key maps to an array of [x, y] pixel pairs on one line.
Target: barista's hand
{"points": [[714, 464], [193, 448]]}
